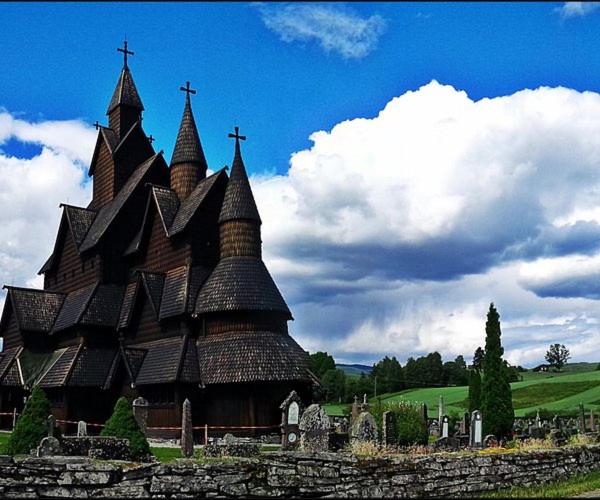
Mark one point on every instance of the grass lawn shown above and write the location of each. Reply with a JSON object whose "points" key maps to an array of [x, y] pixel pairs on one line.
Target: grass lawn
{"points": [[561, 489], [166, 455], [3, 440]]}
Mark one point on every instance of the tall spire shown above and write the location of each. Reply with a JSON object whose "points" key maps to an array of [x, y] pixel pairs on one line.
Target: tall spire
{"points": [[125, 93], [188, 164], [239, 201]]}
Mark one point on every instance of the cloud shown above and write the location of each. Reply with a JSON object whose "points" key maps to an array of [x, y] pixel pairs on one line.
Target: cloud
{"points": [[393, 234], [335, 28], [32, 188], [578, 9]]}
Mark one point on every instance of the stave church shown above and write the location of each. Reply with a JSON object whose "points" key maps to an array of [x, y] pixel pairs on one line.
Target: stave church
{"points": [[155, 289]]}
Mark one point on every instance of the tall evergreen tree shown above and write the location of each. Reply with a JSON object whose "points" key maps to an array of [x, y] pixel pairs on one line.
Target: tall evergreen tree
{"points": [[390, 377], [474, 391], [31, 426], [496, 397], [478, 358]]}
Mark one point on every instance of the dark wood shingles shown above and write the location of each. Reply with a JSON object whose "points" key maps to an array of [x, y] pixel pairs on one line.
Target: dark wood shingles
{"points": [[104, 306], [36, 310], [125, 92], [167, 204], [250, 357], [57, 375], [6, 359], [188, 148], [92, 367], [154, 284], [73, 307], [174, 294], [161, 361], [240, 284], [127, 305], [80, 220]]}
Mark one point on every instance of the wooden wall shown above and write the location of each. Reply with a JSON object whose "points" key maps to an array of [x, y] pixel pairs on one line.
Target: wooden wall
{"points": [[104, 178], [161, 253], [12, 335], [240, 238]]}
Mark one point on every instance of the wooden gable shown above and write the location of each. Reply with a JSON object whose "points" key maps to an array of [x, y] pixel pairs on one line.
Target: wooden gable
{"points": [[9, 327], [103, 170]]}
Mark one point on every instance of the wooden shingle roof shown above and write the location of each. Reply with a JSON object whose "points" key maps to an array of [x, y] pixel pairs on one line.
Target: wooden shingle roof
{"points": [[73, 308], [80, 220], [161, 362], [58, 373], [251, 357], [125, 93], [92, 367], [7, 358], [36, 310], [188, 148], [240, 284], [239, 201]]}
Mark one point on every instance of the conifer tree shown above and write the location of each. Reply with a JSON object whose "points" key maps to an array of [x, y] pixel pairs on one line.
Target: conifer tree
{"points": [[474, 391], [122, 424], [32, 424], [496, 397]]}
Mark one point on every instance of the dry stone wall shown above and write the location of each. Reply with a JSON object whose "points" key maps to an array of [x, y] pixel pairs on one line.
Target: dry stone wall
{"points": [[294, 475]]}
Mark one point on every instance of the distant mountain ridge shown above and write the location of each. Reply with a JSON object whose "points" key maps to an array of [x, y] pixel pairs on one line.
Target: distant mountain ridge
{"points": [[355, 369]]}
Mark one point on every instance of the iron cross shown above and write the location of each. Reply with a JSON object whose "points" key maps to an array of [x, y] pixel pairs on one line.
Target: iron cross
{"points": [[125, 52], [97, 125], [151, 139], [187, 89], [237, 136]]}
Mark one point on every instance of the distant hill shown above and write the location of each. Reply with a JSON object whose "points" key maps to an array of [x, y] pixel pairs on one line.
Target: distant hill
{"points": [[355, 370]]}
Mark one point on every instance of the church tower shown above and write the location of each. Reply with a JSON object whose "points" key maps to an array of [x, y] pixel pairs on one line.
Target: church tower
{"points": [[188, 164]]}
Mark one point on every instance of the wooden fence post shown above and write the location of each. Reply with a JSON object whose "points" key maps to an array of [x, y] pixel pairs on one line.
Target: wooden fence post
{"points": [[205, 434], [14, 418]]}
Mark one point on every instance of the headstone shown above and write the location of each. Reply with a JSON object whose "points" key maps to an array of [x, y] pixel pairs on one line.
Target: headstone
{"points": [[538, 422], [51, 424], [365, 406], [388, 428], [556, 423], [355, 410], [434, 429], [476, 430], [314, 429], [464, 424], [581, 423], [440, 410], [490, 441], [229, 438], [445, 426], [592, 421], [364, 429], [81, 429], [290, 420], [140, 413], [49, 447], [425, 416], [187, 433]]}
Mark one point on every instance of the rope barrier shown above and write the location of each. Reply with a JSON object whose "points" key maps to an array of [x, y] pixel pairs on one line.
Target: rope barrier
{"points": [[216, 427], [72, 422]]}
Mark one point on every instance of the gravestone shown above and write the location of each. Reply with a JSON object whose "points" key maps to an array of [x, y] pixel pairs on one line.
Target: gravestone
{"points": [[476, 438], [49, 447], [355, 410], [434, 429], [556, 422], [581, 422], [490, 441], [592, 421], [388, 428], [425, 416], [440, 410], [290, 420], [314, 429], [445, 426], [81, 429], [538, 422], [229, 439], [50, 425], [187, 433], [140, 413], [464, 424], [364, 429]]}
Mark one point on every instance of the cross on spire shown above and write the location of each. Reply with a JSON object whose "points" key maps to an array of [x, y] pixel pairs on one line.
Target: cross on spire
{"points": [[125, 52], [237, 136], [97, 125], [151, 139], [187, 89]]}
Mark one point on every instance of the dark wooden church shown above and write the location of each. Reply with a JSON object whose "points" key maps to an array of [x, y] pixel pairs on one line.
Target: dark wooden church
{"points": [[156, 289]]}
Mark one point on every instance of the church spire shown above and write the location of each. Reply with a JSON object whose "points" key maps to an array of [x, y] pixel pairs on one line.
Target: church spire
{"points": [[239, 201], [188, 164], [125, 107]]}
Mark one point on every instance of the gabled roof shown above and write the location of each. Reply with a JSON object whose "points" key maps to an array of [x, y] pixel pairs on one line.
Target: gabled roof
{"points": [[109, 212], [162, 361], [125, 93], [92, 367], [7, 357], [127, 307], [188, 148], [240, 284], [94, 305], [239, 201], [107, 136], [58, 374], [167, 204], [181, 289], [35, 310], [251, 357], [153, 284]]}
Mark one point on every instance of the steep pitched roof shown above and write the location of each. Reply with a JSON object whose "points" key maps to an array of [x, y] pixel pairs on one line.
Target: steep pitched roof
{"points": [[251, 357], [109, 212], [58, 374], [153, 284], [7, 358], [180, 290], [105, 136], [80, 220], [161, 362], [92, 367], [167, 204], [127, 306], [35, 310], [125, 93], [239, 201], [74, 306], [240, 284], [188, 148]]}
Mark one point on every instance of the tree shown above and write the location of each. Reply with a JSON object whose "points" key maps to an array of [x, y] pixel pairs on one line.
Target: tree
{"points": [[390, 377], [557, 355], [478, 356], [455, 372], [496, 397], [32, 424], [474, 391], [320, 363], [334, 383], [122, 424]]}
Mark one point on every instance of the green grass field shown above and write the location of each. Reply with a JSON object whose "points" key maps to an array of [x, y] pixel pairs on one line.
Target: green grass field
{"points": [[3, 440], [557, 392]]}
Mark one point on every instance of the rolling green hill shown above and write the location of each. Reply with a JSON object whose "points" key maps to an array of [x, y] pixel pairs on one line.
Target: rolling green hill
{"points": [[557, 392]]}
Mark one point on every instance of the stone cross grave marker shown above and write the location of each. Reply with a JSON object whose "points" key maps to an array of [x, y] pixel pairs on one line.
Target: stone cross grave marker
{"points": [[445, 426], [441, 410], [364, 428], [314, 429], [187, 433], [476, 438], [140, 413], [81, 429], [388, 428], [50, 425], [290, 421]]}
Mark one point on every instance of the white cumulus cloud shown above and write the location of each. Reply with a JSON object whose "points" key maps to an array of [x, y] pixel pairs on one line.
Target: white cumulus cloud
{"points": [[578, 9]]}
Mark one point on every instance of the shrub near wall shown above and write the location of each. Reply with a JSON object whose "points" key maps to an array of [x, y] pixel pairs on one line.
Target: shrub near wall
{"points": [[410, 427], [31, 426]]}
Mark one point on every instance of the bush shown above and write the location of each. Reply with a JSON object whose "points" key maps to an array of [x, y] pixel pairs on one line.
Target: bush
{"points": [[32, 424], [122, 424], [410, 426]]}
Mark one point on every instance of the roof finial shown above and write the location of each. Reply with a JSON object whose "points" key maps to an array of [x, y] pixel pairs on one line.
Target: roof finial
{"points": [[187, 89], [125, 52]]}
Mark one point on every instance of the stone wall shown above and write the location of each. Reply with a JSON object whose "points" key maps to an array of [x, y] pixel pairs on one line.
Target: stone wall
{"points": [[295, 474]]}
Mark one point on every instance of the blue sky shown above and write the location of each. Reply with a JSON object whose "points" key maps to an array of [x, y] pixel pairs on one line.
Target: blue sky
{"points": [[412, 162]]}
